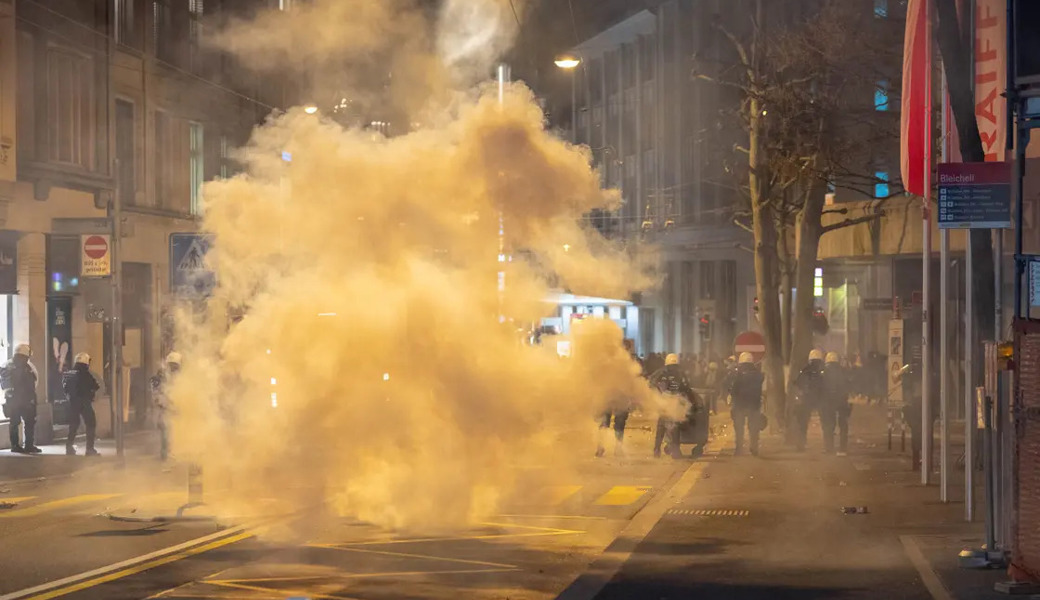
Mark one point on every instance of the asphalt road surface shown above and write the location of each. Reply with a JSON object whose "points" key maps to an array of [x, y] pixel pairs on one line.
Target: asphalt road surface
{"points": [[60, 541], [745, 528]]}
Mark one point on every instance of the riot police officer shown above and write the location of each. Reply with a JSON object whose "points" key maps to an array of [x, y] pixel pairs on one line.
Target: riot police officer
{"points": [[809, 396], [835, 408], [670, 380], [18, 379], [80, 386], [745, 389]]}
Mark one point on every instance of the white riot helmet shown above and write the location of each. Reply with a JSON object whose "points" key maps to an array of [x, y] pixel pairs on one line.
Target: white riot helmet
{"points": [[746, 358], [173, 358], [23, 349], [816, 354], [82, 358]]}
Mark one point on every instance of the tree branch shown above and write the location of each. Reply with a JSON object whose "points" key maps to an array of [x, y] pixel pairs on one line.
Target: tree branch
{"points": [[853, 221]]}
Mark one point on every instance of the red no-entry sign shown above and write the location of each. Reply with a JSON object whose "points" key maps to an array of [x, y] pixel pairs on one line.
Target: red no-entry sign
{"points": [[750, 341], [95, 258], [95, 246]]}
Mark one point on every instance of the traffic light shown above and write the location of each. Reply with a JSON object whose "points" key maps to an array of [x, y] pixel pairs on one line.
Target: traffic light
{"points": [[705, 325]]}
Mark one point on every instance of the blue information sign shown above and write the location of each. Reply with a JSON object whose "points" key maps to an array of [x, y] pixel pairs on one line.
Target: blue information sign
{"points": [[974, 195], [189, 275]]}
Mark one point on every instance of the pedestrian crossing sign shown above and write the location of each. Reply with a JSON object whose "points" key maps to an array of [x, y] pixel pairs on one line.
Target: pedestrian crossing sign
{"points": [[190, 276]]}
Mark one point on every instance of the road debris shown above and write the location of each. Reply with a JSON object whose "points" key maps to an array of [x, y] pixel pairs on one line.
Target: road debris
{"points": [[854, 510]]}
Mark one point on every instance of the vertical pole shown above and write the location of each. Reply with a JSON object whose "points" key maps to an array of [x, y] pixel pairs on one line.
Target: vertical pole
{"points": [[574, 105], [926, 268], [969, 389], [504, 76], [944, 387], [944, 338], [987, 434], [116, 216]]}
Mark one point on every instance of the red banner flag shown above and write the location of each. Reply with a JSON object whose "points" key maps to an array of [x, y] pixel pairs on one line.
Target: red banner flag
{"points": [[914, 137]]}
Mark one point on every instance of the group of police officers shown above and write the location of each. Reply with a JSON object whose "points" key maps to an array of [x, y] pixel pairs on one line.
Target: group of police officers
{"points": [[18, 380], [824, 386]]}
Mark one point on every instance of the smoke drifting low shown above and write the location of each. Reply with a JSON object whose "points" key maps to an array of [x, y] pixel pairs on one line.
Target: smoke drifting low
{"points": [[372, 371]]}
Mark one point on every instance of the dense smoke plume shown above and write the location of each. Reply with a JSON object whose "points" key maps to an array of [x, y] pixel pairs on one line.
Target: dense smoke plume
{"points": [[372, 371]]}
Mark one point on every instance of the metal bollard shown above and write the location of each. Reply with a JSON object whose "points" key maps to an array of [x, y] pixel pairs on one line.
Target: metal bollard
{"points": [[988, 455], [194, 484]]}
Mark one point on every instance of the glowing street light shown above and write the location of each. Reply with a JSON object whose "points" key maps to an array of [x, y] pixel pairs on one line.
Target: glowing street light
{"points": [[567, 62], [310, 109]]}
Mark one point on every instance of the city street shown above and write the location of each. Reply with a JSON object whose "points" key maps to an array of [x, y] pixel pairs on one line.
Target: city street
{"points": [[718, 527], [535, 548]]}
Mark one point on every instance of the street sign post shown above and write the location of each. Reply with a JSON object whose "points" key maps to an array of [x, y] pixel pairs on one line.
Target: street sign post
{"points": [[876, 304], [975, 195], [751, 341], [95, 256], [189, 275]]}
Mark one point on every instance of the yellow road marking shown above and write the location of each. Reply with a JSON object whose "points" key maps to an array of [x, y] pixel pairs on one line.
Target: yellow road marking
{"points": [[538, 532], [17, 500], [281, 593], [422, 556], [357, 576], [54, 505], [553, 517], [622, 495], [141, 567]]}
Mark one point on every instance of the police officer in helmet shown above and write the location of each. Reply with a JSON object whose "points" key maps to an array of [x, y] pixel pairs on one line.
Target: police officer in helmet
{"points": [[835, 408], [671, 380], [18, 378], [80, 386], [745, 389], [809, 396]]}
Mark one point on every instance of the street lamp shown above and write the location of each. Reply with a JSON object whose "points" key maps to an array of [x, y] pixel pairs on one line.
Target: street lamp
{"points": [[310, 109], [567, 62]]}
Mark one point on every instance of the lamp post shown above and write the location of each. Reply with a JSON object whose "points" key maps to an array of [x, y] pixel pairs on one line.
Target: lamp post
{"points": [[569, 62]]}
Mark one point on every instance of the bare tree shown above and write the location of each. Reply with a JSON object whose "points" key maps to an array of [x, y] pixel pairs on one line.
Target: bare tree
{"points": [[808, 88]]}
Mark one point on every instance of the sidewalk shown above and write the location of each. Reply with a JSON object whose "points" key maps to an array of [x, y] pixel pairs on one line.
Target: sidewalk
{"points": [[773, 527], [139, 447]]}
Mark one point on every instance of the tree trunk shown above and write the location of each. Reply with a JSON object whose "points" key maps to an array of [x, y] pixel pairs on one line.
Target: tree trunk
{"points": [[786, 289], [810, 229], [956, 58], [763, 225]]}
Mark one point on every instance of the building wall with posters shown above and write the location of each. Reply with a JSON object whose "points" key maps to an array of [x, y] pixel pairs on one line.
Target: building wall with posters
{"points": [[87, 85]]}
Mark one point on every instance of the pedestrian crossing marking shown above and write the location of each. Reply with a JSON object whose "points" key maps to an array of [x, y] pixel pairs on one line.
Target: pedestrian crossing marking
{"points": [[708, 512], [54, 505], [622, 495]]}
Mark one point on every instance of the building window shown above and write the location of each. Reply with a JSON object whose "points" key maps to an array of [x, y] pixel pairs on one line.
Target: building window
{"points": [[880, 9], [125, 152], [881, 186], [70, 108], [124, 16], [195, 25], [707, 280], [881, 95], [197, 165], [163, 155], [818, 282], [162, 33]]}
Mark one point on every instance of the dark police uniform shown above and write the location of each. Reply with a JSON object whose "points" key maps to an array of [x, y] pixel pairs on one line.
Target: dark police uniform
{"points": [[80, 387], [745, 388]]}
